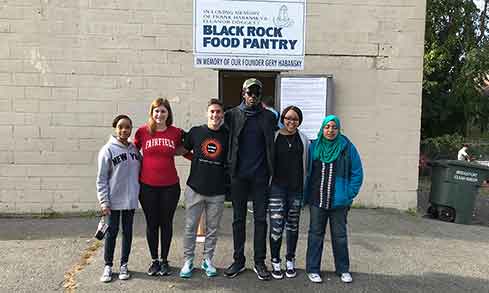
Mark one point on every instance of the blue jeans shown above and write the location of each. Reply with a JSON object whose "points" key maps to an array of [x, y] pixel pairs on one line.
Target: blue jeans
{"points": [[110, 239], [284, 208], [339, 239]]}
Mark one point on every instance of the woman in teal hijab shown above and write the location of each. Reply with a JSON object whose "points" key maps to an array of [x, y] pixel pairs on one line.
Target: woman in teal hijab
{"points": [[335, 176], [330, 142]]}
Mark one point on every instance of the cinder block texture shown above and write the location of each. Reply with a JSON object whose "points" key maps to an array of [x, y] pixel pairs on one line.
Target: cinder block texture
{"points": [[68, 67]]}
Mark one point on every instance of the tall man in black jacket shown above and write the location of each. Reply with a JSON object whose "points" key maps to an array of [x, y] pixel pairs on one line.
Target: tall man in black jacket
{"points": [[250, 155]]}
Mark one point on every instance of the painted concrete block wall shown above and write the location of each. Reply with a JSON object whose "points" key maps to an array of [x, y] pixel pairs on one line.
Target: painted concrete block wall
{"points": [[68, 67]]}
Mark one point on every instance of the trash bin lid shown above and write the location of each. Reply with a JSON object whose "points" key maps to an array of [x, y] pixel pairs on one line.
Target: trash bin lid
{"points": [[457, 163]]}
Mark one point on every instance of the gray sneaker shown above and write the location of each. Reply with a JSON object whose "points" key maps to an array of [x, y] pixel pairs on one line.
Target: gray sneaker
{"points": [[106, 275], [124, 272]]}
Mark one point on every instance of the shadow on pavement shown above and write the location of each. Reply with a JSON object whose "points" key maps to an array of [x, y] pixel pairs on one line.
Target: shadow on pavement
{"points": [[363, 282]]}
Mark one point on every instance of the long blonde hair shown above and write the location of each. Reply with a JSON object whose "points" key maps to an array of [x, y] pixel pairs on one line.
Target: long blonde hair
{"points": [[155, 104]]}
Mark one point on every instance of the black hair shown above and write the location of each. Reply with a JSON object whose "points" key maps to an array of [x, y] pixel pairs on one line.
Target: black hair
{"points": [[119, 118], [295, 109]]}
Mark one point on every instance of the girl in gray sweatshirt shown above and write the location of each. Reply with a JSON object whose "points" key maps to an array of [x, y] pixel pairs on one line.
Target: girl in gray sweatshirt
{"points": [[119, 163]]}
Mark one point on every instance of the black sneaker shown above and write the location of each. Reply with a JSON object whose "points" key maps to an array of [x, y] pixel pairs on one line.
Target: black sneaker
{"points": [[262, 272], [155, 268], [277, 271], [165, 269], [234, 269]]}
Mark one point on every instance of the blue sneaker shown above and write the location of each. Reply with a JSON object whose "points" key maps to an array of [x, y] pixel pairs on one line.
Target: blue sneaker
{"points": [[209, 269], [188, 267]]}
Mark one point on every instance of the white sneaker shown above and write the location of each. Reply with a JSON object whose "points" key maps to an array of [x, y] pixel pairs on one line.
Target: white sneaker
{"points": [[315, 278], [188, 267], [124, 272], [107, 275], [249, 205], [346, 278], [277, 271], [290, 272]]}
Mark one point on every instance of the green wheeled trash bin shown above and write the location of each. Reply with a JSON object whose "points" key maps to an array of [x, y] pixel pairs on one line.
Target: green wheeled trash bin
{"points": [[454, 187]]}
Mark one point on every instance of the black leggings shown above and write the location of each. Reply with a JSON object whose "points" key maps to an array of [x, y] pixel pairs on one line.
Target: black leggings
{"points": [[159, 204]]}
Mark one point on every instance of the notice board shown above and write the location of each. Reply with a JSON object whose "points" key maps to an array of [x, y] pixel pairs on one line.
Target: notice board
{"points": [[313, 94]]}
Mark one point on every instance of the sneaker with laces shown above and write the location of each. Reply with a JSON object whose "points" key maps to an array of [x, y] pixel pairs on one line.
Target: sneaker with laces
{"points": [[155, 268], [124, 272], [106, 275], [262, 272], [234, 269], [188, 267], [165, 269], [209, 269], [277, 271], [315, 278], [346, 278], [290, 272]]}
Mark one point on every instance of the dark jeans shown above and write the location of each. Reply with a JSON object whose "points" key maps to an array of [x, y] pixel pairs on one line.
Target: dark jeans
{"points": [[339, 239], [240, 189], [284, 208], [159, 205], [110, 239]]}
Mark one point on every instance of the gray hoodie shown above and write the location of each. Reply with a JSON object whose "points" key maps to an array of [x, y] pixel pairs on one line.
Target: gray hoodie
{"points": [[118, 175]]}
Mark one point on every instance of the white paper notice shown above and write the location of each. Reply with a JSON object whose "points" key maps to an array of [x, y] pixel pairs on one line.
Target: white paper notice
{"points": [[309, 94]]}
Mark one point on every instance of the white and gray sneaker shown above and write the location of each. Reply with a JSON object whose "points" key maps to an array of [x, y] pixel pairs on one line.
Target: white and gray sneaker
{"points": [[290, 272], [315, 278], [346, 278], [124, 272], [107, 274], [277, 271]]}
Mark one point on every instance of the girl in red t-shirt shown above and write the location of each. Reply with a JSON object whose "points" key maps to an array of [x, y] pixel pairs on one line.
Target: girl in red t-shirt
{"points": [[159, 142]]}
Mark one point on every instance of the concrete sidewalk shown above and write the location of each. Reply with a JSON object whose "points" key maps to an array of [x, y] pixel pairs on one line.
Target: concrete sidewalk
{"points": [[390, 252]]}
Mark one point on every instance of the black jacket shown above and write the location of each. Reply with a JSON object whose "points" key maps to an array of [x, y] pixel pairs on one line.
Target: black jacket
{"points": [[234, 120]]}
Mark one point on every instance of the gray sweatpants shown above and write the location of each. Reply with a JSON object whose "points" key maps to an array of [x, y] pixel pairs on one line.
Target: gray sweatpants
{"points": [[195, 204]]}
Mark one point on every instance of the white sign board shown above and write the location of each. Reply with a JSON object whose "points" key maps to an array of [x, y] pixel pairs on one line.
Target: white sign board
{"points": [[249, 35], [310, 94]]}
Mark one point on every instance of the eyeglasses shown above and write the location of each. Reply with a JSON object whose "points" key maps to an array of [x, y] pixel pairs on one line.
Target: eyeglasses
{"points": [[293, 119]]}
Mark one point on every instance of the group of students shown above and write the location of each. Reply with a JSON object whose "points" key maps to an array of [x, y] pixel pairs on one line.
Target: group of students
{"points": [[279, 170]]}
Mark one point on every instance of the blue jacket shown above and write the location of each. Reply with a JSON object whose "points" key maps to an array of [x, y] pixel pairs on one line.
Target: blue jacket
{"points": [[347, 182]]}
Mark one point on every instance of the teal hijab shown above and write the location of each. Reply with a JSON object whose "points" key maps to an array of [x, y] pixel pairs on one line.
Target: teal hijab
{"points": [[326, 150]]}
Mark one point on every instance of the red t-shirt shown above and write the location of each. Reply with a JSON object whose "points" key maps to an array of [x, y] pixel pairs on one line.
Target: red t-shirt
{"points": [[158, 165]]}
